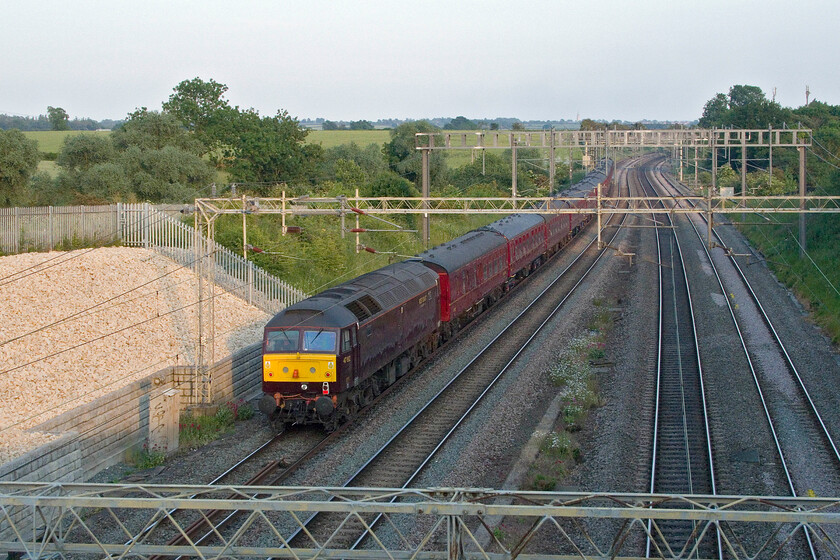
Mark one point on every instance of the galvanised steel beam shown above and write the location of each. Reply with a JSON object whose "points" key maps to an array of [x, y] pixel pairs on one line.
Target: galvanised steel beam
{"points": [[664, 138], [504, 205], [45, 519]]}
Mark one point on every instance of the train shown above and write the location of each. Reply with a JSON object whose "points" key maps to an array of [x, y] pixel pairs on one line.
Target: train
{"points": [[328, 356]]}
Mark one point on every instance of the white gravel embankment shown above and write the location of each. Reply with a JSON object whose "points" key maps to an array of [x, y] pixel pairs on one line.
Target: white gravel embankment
{"points": [[77, 325]]}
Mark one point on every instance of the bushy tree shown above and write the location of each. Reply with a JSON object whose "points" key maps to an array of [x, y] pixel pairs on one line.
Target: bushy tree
{"points": [[152, 130], [388, 184], [18, 161], [361, 125], [81, 152], [58, 118], [271, 150], [368, 158], [198, 105], [460, 123], [405, 159], [169, 174]]}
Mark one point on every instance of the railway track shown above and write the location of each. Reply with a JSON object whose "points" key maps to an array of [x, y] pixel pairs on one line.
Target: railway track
{"points": [[682, 456], [808, 454]]}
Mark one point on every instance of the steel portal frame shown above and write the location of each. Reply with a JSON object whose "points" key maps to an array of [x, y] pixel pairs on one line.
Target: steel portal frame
{"points": [[95, 520]]}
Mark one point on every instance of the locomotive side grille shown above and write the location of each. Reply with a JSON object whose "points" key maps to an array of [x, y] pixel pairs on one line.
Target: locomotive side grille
{"points": [[356, 308]]}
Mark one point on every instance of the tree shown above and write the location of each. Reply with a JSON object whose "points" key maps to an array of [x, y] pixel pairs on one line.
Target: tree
{"points": [[388, 184], [271, 150], [18, 161], [715, 111], [405, 160], [589, 124], [361, 125], [83, 151], [169, 174], [151, 130], [517, 126], [202, 109], [332, 125], [460, 123], [58, 118]]}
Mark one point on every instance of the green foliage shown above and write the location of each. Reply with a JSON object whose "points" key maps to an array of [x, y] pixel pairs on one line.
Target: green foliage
{"points": [[148, 458], [388, 184], [195, 431], [460, 123], [81, 152], [270, 150], [18, 161], [58, 118], [153, 130], [361, 125], [200, 107], [335, 164], [405, 160], [745, 107]]}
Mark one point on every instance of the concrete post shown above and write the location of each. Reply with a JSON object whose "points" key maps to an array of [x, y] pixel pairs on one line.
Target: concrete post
{"points": [[803, 238], [425, 180], [164, 412]]}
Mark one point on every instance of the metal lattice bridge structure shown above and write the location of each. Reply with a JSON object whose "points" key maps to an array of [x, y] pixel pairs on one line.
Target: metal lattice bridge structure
{"points": [[138, 521]]}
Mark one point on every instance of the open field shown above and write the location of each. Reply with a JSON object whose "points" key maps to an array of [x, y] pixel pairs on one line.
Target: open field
{"points": [[332, 138], [50, 141]]}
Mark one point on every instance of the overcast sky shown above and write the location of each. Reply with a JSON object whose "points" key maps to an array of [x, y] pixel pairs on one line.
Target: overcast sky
{"points": [[341, 60]]}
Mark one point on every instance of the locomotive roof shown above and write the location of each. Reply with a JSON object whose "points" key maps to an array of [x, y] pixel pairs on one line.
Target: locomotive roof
{"points": [[514, 224], [359, 298], [462, 250]]}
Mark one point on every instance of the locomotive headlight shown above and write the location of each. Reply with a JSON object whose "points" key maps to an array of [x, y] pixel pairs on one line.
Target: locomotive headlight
{"points": [[312, 370], [304, 386], [285, 370]]}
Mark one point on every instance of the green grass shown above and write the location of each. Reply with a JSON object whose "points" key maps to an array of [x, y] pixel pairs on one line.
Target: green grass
{"points": [[332, 138], [51, 141]]}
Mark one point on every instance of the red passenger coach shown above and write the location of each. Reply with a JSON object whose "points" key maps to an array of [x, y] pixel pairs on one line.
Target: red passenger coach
{"points": [[526, 236], [472, 272]]}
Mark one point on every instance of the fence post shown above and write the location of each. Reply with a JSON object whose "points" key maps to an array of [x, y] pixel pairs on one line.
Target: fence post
{"points": [[50, 229], [17, 231], [146, 225], [250, 282]]}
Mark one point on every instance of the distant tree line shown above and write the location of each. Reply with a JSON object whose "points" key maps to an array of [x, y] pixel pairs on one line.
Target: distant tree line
{"points": [[43, 122]]}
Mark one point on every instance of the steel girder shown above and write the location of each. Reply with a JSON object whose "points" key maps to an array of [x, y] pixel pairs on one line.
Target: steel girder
{"points": [[96, 520]]}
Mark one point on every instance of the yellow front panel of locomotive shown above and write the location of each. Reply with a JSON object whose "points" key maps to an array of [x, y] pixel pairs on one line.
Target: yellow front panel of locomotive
{"points": [[299, 367]]}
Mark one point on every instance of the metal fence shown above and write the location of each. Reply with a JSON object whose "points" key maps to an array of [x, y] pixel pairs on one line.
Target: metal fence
{"points": [[57, 227], [139, 225]]}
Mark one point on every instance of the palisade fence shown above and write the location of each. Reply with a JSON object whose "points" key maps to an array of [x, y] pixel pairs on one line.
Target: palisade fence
{"points": [[139, 225]]}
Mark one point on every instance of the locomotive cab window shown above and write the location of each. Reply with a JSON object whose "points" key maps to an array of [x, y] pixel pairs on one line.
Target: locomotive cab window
{"points": [[282, 341], [346, 345], [320, 340]]}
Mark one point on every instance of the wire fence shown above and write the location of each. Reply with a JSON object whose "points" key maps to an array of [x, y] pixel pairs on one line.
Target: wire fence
{"points": [[140, 225]]}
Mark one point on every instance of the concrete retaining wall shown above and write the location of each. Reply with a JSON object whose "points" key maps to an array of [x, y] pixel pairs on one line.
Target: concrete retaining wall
{"points": [[100, 434]]}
